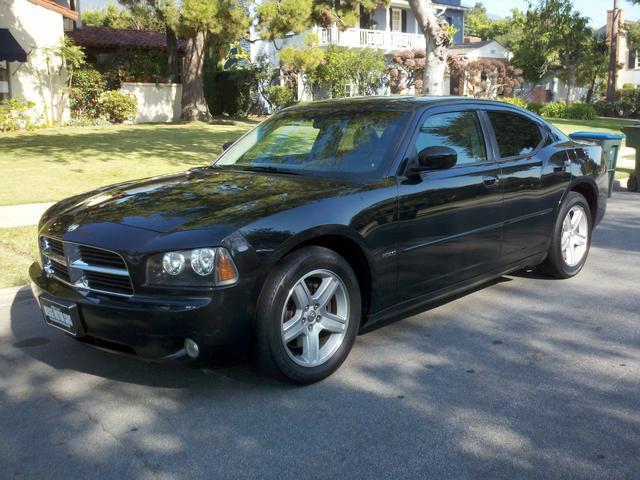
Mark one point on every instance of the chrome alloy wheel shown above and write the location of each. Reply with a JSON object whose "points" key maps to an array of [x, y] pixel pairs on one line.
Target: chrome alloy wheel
{"points": [[575, 236], [315, 318]]}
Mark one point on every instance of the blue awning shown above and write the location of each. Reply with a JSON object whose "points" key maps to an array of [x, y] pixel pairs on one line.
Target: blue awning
{"points": [[10, 49]]}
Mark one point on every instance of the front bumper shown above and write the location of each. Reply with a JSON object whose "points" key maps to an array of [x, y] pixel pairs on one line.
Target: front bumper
{"points": [[154, 328]]}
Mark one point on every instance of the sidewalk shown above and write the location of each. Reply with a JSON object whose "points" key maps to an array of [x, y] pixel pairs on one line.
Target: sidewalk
{"points": [[22, 215]]}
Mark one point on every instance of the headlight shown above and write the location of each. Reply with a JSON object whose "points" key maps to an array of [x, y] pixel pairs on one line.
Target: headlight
{"points": [[202, 267]]}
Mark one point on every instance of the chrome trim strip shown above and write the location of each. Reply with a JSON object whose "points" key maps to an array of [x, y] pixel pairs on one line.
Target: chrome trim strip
{"points": [[80, 265], [83, 287], [55, 257]]}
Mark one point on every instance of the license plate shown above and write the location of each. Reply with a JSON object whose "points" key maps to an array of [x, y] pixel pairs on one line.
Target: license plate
{"points": [[62, 316]]}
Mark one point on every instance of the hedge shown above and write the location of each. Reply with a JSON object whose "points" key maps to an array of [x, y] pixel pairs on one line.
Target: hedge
{"points": [[228, 91]]}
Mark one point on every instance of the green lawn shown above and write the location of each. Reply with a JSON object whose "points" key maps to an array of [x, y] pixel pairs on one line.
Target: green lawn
{"points": [[52, 164], [18, 249], [606, 125]]}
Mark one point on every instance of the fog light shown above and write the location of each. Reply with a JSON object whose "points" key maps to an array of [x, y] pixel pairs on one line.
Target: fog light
{"points": [[191, 348]]}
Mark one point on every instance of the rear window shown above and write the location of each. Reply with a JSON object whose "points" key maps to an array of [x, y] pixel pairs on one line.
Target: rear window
{"points": [[516, 135]]}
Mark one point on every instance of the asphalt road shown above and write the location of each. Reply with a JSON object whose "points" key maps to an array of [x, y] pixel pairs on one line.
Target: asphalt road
{"points": [[525, 378]]}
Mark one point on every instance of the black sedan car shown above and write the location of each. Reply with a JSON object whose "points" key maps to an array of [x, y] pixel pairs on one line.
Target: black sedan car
{"points": [[326, 218]]}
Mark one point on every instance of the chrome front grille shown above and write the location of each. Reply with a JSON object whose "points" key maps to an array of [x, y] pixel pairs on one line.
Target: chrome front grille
{"points": [[85, 267]]}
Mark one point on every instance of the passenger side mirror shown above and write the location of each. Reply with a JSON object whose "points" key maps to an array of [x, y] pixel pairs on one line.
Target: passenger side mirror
{"points": [[436, 158], [225, 146]]}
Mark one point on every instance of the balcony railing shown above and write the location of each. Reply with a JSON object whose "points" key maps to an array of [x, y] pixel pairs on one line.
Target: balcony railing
{"points": [[358, 37]]}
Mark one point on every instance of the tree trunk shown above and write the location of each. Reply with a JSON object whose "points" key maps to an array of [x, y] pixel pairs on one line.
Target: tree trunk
{"points": [[194, 104], [438, 40], [613, 53], [172, 55], [571, 82]]}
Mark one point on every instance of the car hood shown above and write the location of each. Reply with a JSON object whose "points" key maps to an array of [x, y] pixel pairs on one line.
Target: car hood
{"points": [[197, 199]]}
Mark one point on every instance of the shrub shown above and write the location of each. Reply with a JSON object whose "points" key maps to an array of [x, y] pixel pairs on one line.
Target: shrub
{"points": [[581, 111], [86, 122], [535, 107], [555, 110], [628, 86], [629, 102], [117, 106], [229, 91], [518, 102], [279, 96], [16, 115], [86, 87], [605, 108]]}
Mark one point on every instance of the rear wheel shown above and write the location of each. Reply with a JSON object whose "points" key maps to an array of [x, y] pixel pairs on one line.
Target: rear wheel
{"points": [[571, 240], [308, 315]]}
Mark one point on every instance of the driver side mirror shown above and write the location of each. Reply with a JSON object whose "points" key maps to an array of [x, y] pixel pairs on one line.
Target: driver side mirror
{"points": [[435, 158], [225, 146]]}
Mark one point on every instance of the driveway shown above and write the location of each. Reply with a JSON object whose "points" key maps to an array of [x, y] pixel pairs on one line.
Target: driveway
{"points": [[524, 378]]}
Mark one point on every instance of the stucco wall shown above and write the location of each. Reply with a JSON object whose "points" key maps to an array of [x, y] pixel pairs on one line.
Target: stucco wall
{"points": [[34, 28], [160, 102]]}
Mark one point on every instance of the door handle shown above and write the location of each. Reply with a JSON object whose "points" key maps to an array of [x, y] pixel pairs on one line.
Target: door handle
{"points": [[490, 181]]}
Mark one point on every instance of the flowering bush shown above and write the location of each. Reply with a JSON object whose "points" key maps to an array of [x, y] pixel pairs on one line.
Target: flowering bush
{"points": [[117, 106], [86, 87], [16, 115]]}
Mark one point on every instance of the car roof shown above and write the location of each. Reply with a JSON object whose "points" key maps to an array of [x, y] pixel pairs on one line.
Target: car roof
{"points": [[398, 101]]}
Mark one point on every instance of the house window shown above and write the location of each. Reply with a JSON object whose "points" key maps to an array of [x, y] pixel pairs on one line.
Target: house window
{"points": [[396, 19], [633, 59], [4, 81]]}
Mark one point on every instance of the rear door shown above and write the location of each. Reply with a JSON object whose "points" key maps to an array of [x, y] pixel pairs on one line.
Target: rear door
{"points": [[450, 221], [535, 175]]}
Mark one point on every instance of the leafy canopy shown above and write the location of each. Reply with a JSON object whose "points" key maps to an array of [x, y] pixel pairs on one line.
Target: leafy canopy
{"points": [[277, 18]]}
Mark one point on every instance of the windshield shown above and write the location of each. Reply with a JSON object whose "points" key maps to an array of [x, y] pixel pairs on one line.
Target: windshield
{"points": [[349, 144]]}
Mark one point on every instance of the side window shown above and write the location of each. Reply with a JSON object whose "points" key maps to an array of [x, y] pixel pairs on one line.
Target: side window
{"points": [[460, 131], [515, 134]]}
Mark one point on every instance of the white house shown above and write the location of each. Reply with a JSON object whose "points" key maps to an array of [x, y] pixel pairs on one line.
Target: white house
{"points": [[388, 29], [629, 70], [473, 51], [27, 27]]}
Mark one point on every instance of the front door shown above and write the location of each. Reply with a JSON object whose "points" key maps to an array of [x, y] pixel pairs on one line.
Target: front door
{"points": [[450, 221]]}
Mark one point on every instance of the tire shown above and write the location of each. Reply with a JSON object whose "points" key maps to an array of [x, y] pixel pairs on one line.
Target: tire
{"points": [[632, 183], [321, 326], [567, 262]]}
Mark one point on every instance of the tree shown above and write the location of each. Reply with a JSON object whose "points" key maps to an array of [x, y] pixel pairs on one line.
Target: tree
{"points": [[438, 36], [593, 70], [613, 52], [112, 16], [277, 18], [301, 63], [212, 24], [61, 61], [363, 69], [553, 37]]}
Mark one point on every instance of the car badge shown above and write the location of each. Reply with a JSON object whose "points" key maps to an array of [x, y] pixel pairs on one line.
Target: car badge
{"points": [[72, 227]]}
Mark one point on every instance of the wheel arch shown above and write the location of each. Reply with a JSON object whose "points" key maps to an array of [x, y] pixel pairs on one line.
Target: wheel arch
{"points": [[342, 241], [589, 190]]}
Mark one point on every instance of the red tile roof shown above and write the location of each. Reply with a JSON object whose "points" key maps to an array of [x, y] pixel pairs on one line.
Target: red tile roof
{"points": [[110, 38]]}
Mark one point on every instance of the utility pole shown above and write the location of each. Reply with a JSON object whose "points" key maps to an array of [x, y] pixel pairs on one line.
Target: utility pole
{"points": [[613, 56]]}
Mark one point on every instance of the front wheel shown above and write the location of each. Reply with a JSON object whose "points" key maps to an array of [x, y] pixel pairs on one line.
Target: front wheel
{"points": [[571, 239], [308, 315]]}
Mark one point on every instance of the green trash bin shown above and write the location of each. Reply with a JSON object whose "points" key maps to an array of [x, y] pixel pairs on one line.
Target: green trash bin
{"points": [[610, 143]]}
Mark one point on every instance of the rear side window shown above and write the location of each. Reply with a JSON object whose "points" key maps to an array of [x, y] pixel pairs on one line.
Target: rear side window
{"points": [[460, 131], [515, 134]]}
